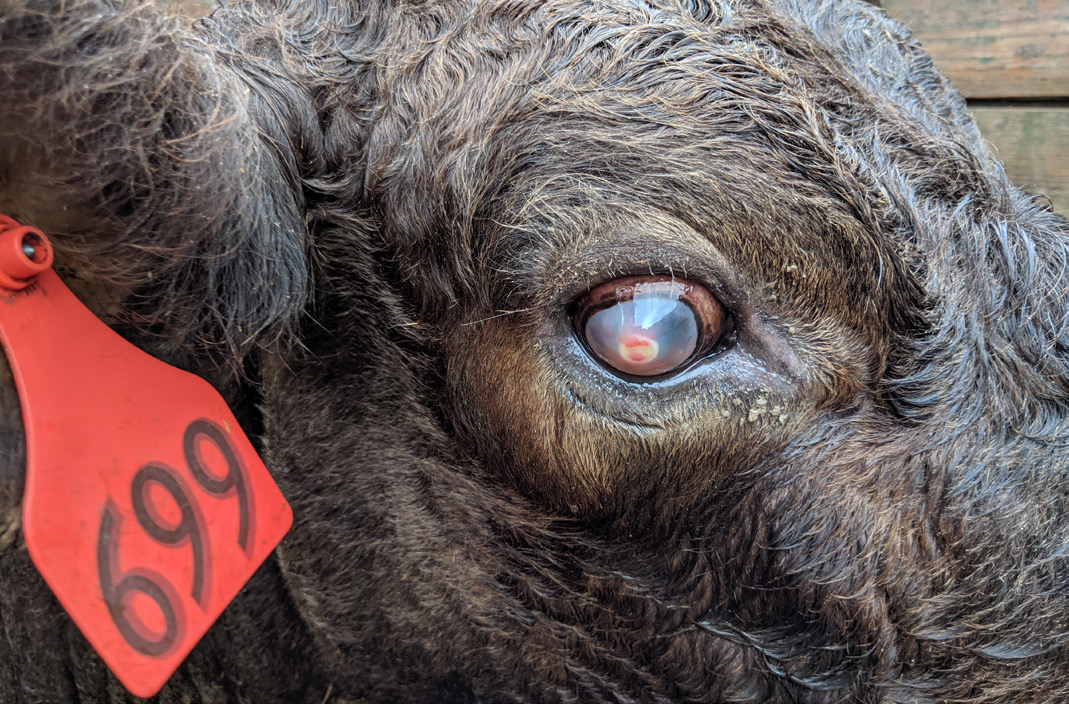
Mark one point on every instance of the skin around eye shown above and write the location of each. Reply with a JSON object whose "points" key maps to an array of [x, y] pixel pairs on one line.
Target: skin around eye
{"points": [[648, 326]]}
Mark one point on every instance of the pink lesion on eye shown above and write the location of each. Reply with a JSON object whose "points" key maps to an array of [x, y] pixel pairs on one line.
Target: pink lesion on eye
{"points": [[638, 349]]}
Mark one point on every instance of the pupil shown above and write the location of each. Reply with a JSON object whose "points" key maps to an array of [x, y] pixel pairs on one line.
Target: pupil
{"points": [[651, 334]]}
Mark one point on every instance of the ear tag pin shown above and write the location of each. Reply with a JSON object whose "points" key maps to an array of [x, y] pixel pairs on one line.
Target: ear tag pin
{"points": [[146, 507]]}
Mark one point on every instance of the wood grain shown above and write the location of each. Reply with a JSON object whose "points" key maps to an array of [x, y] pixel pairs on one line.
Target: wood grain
{"points": [[1033, 143], [994, 48]]}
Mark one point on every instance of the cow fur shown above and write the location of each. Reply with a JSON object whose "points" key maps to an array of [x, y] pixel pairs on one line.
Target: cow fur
{"points": [[367, 222]]}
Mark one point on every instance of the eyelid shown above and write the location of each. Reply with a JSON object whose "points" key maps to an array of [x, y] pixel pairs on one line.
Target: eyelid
{"points": [[631, 244]]}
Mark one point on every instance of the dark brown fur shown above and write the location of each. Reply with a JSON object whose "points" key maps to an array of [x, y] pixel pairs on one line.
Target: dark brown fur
{"points": [[366, 224]]}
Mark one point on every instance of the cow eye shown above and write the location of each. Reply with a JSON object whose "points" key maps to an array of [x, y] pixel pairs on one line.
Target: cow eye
{"points": [[648, 326]]}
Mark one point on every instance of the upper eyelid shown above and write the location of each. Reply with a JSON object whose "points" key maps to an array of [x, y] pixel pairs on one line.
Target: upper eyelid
{"points": [[680, 266], [553, 272]]}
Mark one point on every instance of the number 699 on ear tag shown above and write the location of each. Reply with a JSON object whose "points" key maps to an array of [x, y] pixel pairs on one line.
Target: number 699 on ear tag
{"points": [[146, 508]]}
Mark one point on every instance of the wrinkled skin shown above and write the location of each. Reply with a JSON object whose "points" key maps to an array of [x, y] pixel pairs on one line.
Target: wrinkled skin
{"points": [[368, 226]]}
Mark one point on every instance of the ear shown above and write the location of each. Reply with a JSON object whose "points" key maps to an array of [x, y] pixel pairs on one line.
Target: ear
{"points": [[170, 184], [164, 176]]}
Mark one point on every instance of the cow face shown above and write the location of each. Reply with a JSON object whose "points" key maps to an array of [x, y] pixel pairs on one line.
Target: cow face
{"points": [[628, 351]]}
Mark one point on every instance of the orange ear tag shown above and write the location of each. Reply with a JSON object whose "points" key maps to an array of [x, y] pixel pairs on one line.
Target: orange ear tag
{"points": [[146, 507]]}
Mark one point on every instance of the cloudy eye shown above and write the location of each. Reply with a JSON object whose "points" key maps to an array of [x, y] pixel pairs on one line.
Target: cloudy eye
{"points": [[648, 326]]}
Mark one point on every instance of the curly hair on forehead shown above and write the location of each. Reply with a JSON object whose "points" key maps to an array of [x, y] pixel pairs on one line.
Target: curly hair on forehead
{"points": [[379, 227]]}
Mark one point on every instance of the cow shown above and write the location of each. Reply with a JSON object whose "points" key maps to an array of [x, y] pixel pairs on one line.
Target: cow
{"points": [[606, 351]]}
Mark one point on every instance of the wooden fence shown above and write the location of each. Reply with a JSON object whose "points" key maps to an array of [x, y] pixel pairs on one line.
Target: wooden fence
{"points": [[1010, 59]]}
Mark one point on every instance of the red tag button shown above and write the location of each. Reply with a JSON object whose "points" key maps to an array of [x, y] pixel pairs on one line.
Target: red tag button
{"points": [[146, 507]]}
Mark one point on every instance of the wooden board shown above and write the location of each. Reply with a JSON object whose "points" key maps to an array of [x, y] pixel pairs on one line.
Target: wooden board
{"points": [[994, 48], [190, 9], [1033, 144]]}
